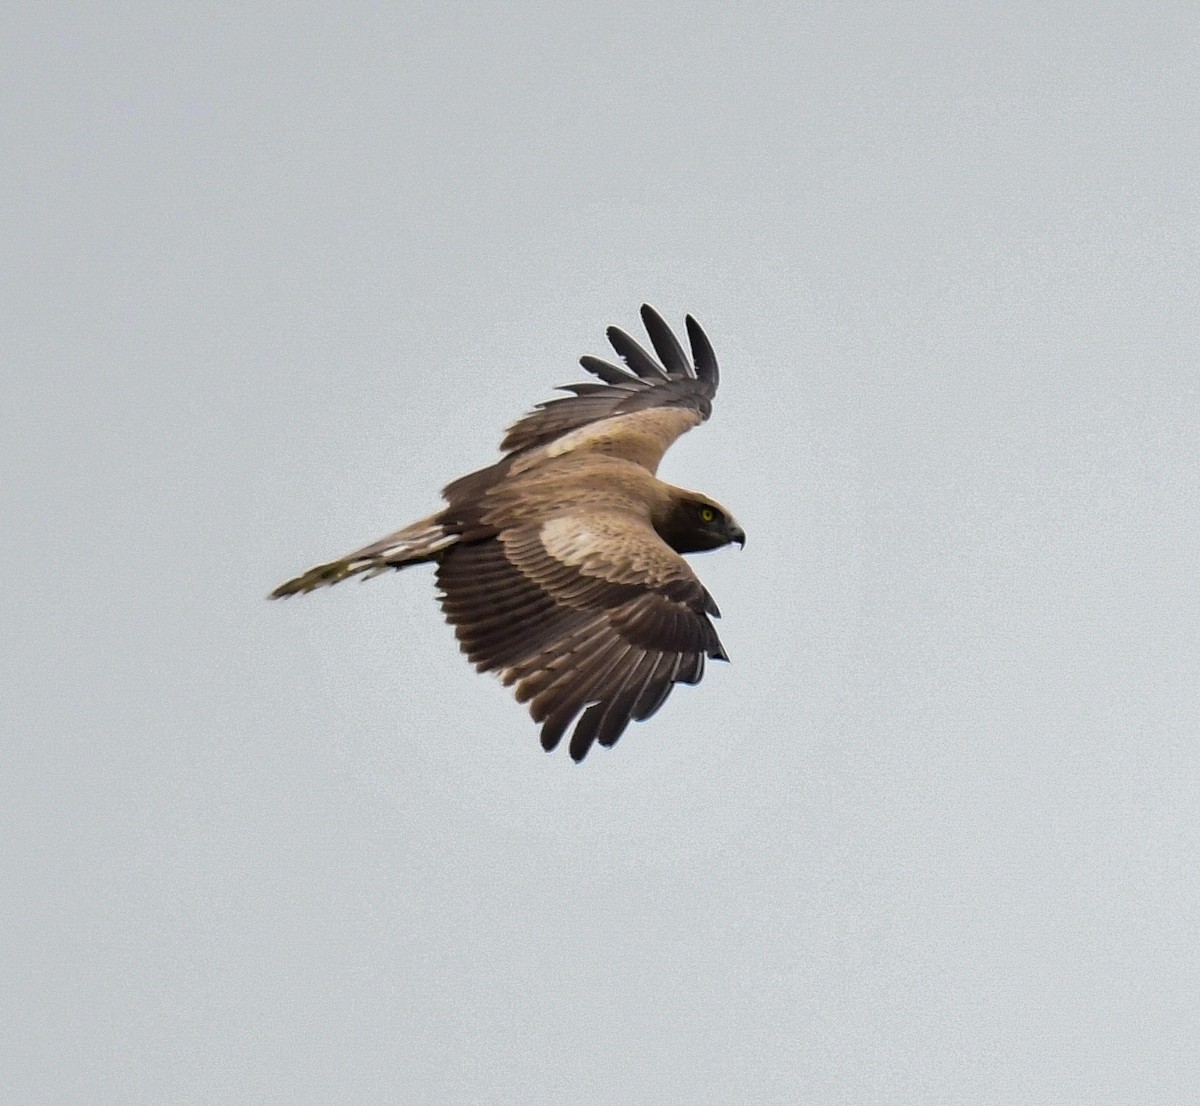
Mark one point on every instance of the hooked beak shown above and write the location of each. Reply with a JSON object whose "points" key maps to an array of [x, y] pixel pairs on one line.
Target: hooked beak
{"points": [[737, 534]]}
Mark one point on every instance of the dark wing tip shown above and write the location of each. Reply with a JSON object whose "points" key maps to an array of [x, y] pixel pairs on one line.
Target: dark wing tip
{"points": [[552, 733], [666, 345], [702, 354], [634, 355], [605, 370], [584, 735]]}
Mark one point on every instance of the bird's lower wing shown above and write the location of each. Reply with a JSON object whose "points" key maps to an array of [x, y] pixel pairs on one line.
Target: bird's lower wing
{"points": [[586, 618]]}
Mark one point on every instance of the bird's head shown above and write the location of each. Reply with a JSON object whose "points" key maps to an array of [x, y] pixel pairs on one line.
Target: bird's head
{"points": [[697, 523]]}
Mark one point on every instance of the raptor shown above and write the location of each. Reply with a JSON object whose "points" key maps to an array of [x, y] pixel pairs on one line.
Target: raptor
{"points": [[560, 566]]}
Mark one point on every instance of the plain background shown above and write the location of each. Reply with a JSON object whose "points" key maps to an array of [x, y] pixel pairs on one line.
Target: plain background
{"points": [[274, 274]]}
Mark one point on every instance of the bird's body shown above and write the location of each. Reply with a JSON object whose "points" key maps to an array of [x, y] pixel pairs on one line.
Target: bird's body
{"points": [[560, 565]]}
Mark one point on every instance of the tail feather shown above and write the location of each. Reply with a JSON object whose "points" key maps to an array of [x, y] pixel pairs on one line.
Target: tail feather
{"points": [[416, 544]]}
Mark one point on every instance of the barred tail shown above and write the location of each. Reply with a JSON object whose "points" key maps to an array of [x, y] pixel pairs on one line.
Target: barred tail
{"points": [[414, 545]]}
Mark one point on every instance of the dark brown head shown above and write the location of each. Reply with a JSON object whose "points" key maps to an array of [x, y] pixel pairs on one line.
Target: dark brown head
{"points": [[696, 523]]}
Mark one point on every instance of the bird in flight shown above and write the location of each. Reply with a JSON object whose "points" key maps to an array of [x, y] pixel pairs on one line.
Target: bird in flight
{"points": [[560, 565]]}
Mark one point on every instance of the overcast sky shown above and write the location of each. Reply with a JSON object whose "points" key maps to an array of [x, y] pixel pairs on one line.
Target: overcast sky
{"points": [[273, 276]]}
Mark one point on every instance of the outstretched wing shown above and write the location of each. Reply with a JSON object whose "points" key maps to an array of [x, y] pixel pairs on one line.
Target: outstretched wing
{"points": [[637, 411], [590, 615]]}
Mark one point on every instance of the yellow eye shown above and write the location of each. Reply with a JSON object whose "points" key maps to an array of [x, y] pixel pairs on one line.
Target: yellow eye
{"points": [[707, 514]]}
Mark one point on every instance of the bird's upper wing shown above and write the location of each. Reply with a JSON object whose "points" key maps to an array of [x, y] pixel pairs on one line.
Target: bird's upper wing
{"points": [[636, 412], [584, 612]]}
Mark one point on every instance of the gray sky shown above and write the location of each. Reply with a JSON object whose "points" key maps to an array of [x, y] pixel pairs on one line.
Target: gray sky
{"points": [[272, 277]]}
